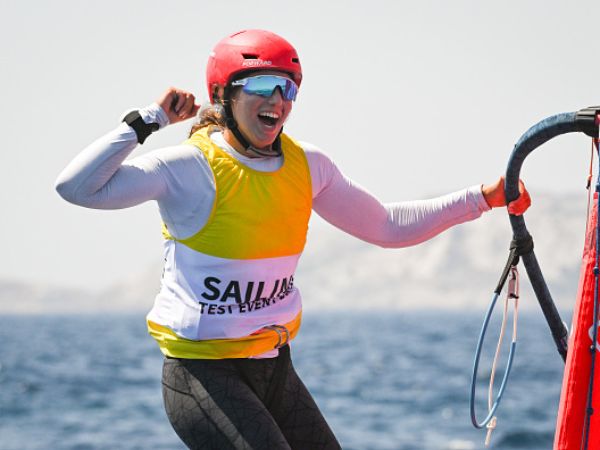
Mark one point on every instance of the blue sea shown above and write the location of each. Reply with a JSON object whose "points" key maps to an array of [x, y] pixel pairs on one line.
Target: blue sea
{"points": [[390, 381]]}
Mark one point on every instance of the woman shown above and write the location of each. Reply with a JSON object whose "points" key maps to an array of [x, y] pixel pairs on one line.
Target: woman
{"points": [[235, 200]]}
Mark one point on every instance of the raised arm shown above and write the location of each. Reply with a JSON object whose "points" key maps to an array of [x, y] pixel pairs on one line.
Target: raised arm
{"points": [[99, 177]]}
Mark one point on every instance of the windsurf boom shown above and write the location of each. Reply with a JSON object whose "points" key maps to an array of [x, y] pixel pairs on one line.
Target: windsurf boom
{"points": [[578, 425]]}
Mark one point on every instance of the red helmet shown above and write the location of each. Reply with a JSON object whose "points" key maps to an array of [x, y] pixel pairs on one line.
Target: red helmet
{"points": [[250, 50]]}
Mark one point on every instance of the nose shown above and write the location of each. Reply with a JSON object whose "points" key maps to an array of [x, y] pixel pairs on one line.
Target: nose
{"points": [[276, 97]]}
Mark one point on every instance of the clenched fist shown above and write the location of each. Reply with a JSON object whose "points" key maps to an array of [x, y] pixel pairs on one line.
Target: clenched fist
{"points": [[179, 105]]}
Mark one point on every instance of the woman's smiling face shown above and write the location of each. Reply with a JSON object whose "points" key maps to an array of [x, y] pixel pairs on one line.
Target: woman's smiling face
{"points": [[259, 118]]}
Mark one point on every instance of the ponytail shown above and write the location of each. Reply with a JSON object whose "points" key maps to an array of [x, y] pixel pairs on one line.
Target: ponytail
{"points": [[209, 116]]}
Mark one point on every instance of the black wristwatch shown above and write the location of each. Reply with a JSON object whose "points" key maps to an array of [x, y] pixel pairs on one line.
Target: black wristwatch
{"points": [[141, 128]]}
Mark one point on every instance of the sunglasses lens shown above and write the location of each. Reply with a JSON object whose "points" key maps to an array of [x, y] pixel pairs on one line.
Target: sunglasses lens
{"points": [[265, 85], [290, 91]]}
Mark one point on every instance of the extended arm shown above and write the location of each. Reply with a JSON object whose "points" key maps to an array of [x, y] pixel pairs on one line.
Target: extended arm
{"points": [[351, 208]]}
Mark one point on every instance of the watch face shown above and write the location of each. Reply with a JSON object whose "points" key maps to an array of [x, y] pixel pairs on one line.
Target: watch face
{"points": [[131, 117]]}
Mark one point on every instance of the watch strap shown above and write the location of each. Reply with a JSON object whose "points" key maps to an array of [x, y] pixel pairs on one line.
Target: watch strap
{"points": [[141, 128]]}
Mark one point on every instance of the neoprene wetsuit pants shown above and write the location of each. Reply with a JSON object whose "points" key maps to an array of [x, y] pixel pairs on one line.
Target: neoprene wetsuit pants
{"points": [[243, 404]]}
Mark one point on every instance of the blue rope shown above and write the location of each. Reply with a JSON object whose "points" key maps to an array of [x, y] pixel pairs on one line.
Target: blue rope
{"points": [[509, 364], [589, 409]]}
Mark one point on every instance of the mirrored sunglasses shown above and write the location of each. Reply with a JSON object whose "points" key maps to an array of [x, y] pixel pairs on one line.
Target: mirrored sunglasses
{"points": [[265, 85]]}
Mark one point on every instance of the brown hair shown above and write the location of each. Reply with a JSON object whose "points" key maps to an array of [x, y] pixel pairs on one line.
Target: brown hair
{"points": [[209, 116]]}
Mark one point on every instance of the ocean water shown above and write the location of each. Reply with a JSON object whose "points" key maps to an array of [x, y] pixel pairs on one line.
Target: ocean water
{"points": [[391, 381]]}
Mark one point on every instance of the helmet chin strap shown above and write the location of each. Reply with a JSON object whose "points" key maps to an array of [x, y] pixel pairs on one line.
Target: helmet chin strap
{"points": [[232, 125]]}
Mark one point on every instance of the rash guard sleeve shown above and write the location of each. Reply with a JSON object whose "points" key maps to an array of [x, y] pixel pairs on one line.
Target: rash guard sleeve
{"points": [[351, 208], [177, 177], [100, 178]]}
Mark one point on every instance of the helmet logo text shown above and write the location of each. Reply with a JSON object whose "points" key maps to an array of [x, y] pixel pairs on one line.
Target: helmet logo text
{"points": [[256, 63]]}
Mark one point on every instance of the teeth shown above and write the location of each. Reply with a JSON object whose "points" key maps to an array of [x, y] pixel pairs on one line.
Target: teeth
{"points": [[269, 114]]}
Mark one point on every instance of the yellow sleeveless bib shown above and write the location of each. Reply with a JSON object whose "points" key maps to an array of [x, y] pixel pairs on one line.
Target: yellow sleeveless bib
{"points": [[255, 214]]}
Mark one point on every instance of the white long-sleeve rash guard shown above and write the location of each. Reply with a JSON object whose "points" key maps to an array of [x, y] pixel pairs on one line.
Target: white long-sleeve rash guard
{"points": [[180, 180]]}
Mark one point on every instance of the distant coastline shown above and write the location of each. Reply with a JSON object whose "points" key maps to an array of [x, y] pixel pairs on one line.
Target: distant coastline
{"points": [[456, 270]]}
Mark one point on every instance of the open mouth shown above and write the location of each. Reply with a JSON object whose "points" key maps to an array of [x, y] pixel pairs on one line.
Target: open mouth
{"points": [[268, 118]]}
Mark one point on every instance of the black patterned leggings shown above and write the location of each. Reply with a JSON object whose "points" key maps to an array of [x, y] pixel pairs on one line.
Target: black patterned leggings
{"points": [[251, 404]]}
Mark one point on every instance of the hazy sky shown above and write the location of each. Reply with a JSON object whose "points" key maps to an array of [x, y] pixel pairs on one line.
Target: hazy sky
{"points": [[410, 98]]}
